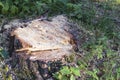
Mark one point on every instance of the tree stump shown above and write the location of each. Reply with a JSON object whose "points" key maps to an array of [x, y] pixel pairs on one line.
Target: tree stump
{"points": [[42, 45]]}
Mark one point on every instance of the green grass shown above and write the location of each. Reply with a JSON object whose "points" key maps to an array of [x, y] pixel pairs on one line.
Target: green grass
{"points": [[101, 59], [101, 30]]}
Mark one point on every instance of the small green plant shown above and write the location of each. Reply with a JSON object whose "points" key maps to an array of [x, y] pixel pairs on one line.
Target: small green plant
{"points": [[3, 54], [4, 69], [68, 73], [5, 74]]}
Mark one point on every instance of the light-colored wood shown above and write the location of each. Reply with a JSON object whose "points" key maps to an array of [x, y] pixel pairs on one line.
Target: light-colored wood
{"points": [[44, 40]]}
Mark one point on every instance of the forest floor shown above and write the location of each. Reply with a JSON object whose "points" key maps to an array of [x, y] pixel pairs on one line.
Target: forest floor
{"points": [[98, 54]]}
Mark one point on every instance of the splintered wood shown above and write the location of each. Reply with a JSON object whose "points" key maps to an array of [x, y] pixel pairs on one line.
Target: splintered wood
{"points": [[44, 40]]}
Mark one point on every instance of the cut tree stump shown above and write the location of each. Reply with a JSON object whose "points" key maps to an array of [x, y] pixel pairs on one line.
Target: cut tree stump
{"points": [[43, 43]]}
